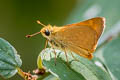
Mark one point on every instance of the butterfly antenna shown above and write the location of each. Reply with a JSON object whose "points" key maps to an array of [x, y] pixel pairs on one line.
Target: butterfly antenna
{"points": [[40, 23], [28, 36]]}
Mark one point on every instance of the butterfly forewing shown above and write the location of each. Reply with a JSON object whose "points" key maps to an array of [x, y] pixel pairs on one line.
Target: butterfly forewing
{"points": [[82, 37], [96, 24]]}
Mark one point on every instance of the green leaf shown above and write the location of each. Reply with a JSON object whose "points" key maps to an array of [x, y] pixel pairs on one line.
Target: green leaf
{"points": [[75, 70], [9, 59], [111, 54]]}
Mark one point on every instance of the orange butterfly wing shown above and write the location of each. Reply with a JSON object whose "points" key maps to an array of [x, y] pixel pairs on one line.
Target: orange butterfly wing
{"points": [[82, 37], [96, 24]]}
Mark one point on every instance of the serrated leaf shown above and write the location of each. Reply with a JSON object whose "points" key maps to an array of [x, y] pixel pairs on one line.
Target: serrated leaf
{"points": [[111, 54], [9, 59], [75, 70]]}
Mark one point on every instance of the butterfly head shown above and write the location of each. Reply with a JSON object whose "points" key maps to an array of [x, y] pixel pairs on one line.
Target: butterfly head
{"points": [[47, 31]]}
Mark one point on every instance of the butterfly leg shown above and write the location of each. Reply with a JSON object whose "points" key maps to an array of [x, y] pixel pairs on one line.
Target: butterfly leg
{"points": [[54, 53], [66, 55], [74, 57], [46, 43]]}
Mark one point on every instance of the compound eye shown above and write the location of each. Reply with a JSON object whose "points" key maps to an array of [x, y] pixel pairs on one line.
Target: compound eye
{"points": [[47, 32]]}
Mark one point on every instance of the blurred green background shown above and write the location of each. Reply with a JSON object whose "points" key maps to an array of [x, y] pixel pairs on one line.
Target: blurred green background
{"points": [[18, 18]]}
